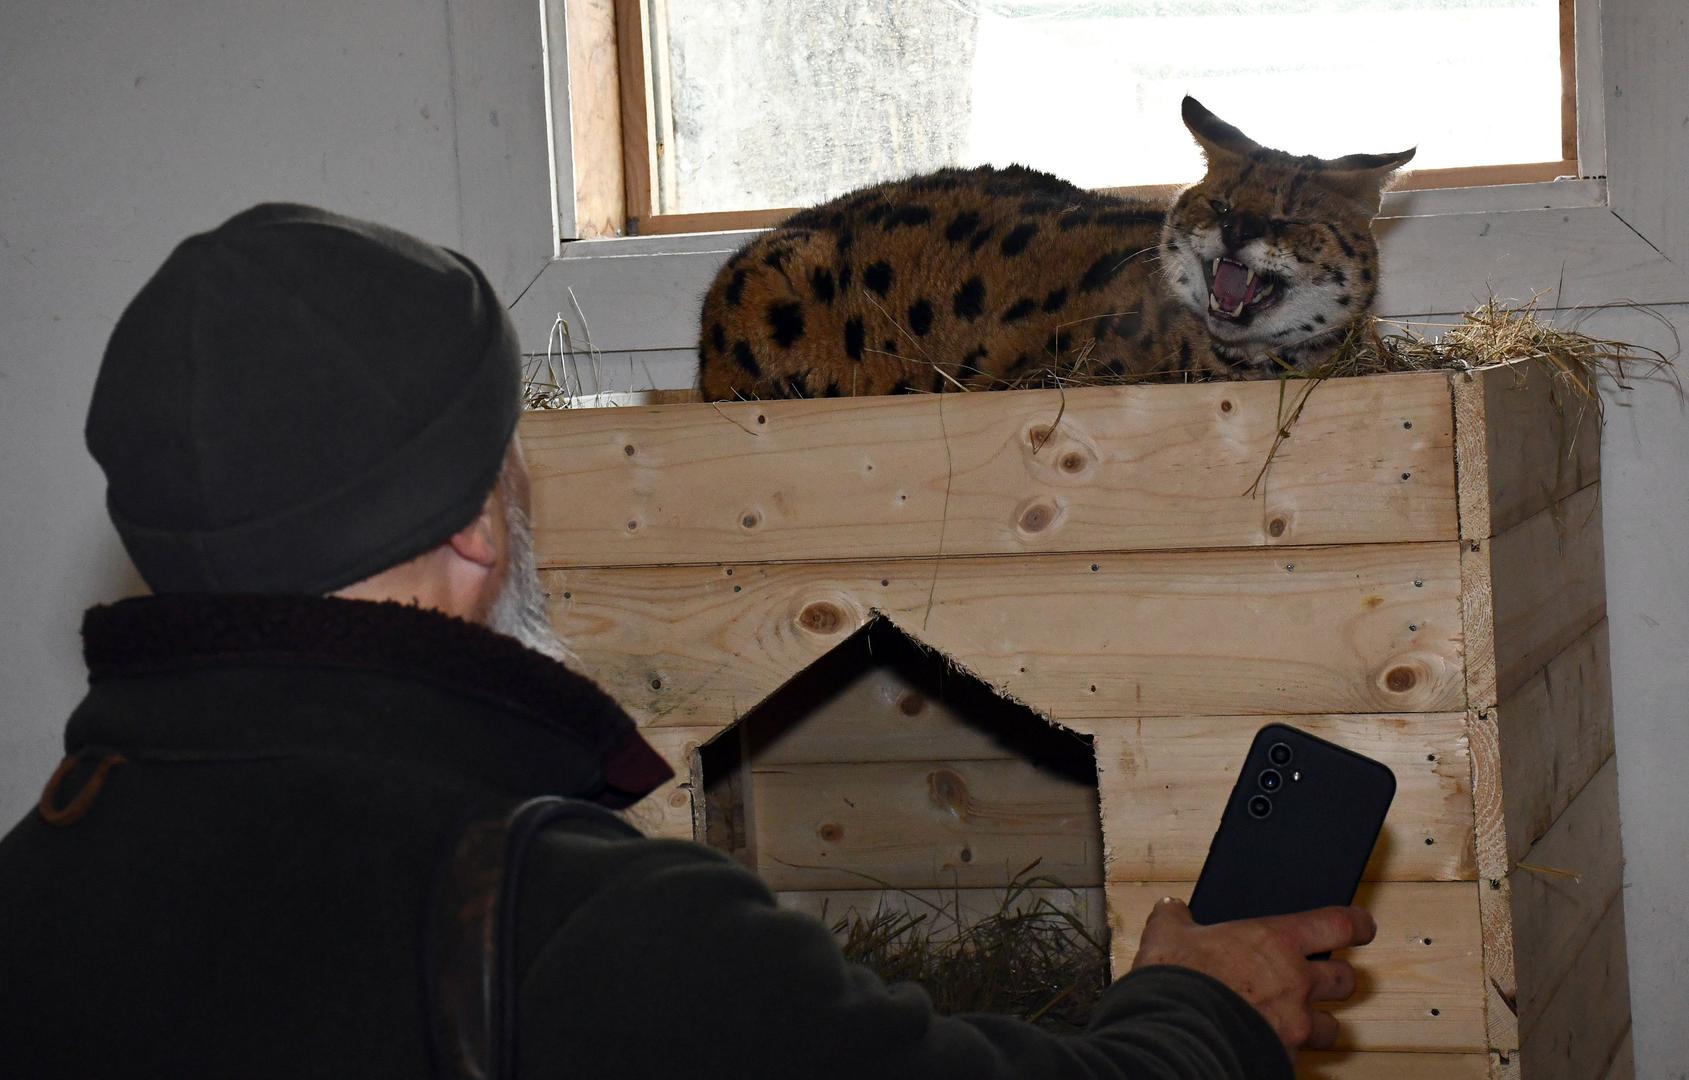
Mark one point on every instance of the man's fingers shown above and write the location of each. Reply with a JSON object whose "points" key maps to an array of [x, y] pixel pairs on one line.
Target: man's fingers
{"points": [[1332, 980], [1325, 929], [1322, 1034]]}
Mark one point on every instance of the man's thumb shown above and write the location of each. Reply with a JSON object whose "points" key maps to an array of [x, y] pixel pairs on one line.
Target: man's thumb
{"points": [[1171, 907]]}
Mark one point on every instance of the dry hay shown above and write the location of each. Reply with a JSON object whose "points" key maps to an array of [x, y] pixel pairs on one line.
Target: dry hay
{"points": [[1494, 334], [1029, 959]]}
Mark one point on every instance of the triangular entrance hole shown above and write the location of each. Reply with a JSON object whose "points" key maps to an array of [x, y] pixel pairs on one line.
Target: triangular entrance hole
{"points": [[885, 777]]}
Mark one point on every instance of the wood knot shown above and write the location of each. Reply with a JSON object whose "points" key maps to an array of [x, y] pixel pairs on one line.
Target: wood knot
{"points": [[751, 519], [911, 704], [967, 855], [1225, 406], [678, 799], [1039, 435], [1072, 461], [821, 617], [1275, 527], [830, 833], [628, 450], [1401, 679], [1037, 517], [947, 790]]}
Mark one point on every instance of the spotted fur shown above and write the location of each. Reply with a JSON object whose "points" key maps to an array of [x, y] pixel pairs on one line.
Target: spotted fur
{"points": [[984, 276]]}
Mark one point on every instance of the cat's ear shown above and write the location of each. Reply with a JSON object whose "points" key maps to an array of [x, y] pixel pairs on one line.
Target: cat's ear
{"points": [[1363, 177], [1213, 134]]}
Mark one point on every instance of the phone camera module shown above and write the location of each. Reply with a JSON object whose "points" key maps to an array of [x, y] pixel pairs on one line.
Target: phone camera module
{"points": [[1271, 780], [1279, 754], [1260, 806]]}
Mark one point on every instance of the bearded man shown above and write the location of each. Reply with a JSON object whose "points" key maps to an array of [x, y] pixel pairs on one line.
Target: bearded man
{"points": [[335, 806]]}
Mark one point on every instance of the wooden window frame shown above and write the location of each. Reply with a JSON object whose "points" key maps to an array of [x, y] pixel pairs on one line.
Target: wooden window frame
{"points": [[641, 146]]}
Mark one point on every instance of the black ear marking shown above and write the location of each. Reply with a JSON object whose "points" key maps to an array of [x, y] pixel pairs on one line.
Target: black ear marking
{"points": [[1372, 162], [1212, 132]]}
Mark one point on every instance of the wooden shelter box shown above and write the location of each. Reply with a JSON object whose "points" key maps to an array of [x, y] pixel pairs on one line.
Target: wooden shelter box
{"points": [[921, 643]]}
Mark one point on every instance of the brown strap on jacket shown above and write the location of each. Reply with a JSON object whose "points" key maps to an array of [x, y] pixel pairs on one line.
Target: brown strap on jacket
{"points": [[83, 800]]}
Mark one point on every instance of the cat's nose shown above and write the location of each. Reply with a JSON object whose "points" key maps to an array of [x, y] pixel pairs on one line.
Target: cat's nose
{"points": [[1238, 229]]}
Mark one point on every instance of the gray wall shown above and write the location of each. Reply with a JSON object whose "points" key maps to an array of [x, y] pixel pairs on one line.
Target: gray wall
{"points": [[124, 126], [1645, 519]]}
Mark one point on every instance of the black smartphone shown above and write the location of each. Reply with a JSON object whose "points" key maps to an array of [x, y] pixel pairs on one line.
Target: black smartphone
{"points": [[1297, 830]]}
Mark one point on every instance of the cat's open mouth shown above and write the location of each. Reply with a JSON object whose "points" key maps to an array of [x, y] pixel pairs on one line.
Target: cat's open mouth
{"points": [[1236, 293]]}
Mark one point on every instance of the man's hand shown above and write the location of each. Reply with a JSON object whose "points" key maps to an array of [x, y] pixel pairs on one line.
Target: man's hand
{"points": [[1265, 961]]}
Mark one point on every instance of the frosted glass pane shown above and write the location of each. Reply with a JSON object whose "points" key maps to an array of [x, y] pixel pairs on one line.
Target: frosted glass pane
{"points": [[787, 102]]}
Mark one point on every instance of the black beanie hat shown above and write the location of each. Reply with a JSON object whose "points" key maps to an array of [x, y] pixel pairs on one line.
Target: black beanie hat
{"points": [[297, 401]]}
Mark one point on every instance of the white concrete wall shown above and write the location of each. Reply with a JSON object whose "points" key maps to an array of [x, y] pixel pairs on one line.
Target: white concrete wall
{"points": [[125, 126], [1645, 522]]}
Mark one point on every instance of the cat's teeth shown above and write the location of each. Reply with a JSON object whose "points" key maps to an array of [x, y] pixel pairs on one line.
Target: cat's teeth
{"points": [[1213, 304], [1248, 281], [1216, 266], [1236, 311]]}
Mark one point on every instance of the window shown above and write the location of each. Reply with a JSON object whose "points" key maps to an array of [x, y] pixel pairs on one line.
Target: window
{"points": [[1610, 236], [733, 112]]}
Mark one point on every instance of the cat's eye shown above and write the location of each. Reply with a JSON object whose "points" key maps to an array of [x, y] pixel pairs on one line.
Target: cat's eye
{"points": [[1220, 207]]}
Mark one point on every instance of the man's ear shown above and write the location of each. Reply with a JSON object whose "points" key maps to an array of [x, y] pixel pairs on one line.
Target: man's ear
{"points": [[478, 542]]}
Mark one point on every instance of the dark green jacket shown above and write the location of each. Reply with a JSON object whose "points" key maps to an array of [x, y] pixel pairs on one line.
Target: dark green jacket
{"points": [[244, 892]]}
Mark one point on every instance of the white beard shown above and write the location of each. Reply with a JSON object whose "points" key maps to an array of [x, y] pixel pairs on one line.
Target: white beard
{"points": [[519, 609]]}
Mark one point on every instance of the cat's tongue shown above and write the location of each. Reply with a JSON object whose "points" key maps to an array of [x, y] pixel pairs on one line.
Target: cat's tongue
{"points": [[1233, 285]]}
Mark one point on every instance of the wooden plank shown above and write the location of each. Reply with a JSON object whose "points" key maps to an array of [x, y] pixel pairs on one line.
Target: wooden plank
{"points": [[1529, 593], [1097, 469], [1568, 82], [595, 125], [638, 146], [1623, 1065], [1553, 735], [1367, 629], [1561, 890], [944, 911], [1163, 783], [1583, 1026], [918, 825], [667, 812], [1403, 978], [706, 221], [1462, 176], [1524, 440], [1419, 180], [1374, 1065], [1471, 455], [1495, 911]]}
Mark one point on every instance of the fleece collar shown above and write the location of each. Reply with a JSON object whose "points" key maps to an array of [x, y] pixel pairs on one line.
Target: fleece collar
{"points": [[509, 697]]}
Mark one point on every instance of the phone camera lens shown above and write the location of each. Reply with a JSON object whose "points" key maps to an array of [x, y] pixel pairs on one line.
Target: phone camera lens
{"points": [[1260, 806], [1279, 754], [1271, 780]]}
